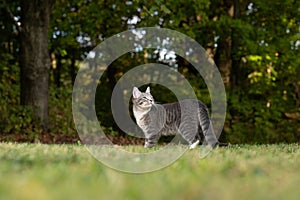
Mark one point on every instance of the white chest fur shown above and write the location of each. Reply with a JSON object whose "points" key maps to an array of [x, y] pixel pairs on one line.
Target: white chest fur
{"points": [[138, 114]]}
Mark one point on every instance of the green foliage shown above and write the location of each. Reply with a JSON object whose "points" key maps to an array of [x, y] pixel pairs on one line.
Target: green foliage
{"points": [[60, 111], [18, 119], [14, 118], [253, 120]]}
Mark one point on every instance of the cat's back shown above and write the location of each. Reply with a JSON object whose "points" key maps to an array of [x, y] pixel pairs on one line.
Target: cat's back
{"points": [[186, 104], [187, 108]]}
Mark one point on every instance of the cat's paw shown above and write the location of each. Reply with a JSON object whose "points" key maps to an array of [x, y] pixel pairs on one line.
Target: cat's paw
{"points": [[148, 145], [192, 146]]}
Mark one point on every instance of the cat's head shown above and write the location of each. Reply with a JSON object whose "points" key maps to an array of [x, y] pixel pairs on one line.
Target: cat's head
{"points": [[142, 100]]}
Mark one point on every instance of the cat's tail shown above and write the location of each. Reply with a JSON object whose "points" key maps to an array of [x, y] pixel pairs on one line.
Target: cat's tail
{"points": [[206, 126]]}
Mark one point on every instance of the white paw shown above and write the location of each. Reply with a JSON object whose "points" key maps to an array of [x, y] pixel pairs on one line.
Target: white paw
{"points": [[148, 145], [192, 146]]}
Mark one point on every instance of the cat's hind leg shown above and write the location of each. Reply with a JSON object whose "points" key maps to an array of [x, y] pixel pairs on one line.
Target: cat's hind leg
{"points": [[206, 127], [189, 132], [194, 145]]}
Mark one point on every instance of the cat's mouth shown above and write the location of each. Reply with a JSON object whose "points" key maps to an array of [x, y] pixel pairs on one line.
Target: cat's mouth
{"points": [[147, 104]]}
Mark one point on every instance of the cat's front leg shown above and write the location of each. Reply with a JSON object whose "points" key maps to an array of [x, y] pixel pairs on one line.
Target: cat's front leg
{"points": [[148, 144], [151, 140]]}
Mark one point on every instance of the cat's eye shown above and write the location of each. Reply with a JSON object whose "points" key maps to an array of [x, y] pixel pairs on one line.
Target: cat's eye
{"points": [[147, 99]]}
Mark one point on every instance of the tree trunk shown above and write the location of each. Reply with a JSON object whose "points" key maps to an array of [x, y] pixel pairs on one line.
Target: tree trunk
{"points": [[223, 58], [57, 71], [235, 58], [73, 70], [34, 57]]}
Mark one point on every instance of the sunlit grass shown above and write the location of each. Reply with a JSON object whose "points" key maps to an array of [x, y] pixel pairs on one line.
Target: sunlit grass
{"points": [[36, 171]]}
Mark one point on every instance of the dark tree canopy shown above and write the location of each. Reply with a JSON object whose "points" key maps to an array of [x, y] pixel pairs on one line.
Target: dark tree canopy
{"points": [[255, 45]]}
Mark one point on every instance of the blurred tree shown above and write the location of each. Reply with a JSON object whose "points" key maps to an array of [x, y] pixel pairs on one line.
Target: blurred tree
{"points": [[254, 43], [34, 56]]}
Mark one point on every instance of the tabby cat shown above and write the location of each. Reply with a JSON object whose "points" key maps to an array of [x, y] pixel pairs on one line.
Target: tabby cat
{"points": [[188, 117]]}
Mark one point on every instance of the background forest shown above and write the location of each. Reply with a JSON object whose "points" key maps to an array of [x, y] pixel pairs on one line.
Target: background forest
{"points": [[254, 43]]}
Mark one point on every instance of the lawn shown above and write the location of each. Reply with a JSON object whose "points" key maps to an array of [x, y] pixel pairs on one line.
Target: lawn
{"points": [[37, 171]]}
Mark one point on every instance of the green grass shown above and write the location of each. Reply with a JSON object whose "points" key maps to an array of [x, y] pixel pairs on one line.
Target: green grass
{"points": [[36, 171]]}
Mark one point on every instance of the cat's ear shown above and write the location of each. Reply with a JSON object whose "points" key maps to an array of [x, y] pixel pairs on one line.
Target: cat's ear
{"points": [[148, 90], [136, 93]]}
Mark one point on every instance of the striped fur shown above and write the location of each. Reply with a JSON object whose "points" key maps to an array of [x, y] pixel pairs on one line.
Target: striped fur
{"points": [[188, 117]]}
